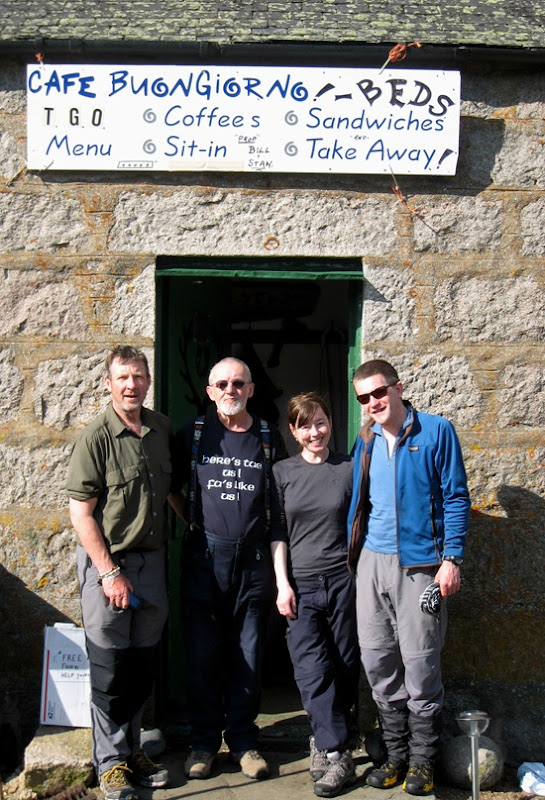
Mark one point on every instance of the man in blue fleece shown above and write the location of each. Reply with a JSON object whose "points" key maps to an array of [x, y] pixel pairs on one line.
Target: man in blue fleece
{"points": [[407, 524]]}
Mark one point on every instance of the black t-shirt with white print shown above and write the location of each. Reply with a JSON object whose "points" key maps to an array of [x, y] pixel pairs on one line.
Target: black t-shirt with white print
{"points": [[230, 498]]}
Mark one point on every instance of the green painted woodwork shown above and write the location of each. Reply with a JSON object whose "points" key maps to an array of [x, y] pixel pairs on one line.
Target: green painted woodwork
{"points": [[199, 289]]}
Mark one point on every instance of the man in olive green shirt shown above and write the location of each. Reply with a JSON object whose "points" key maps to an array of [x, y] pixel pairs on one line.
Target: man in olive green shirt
{"points": [[118, 483]]}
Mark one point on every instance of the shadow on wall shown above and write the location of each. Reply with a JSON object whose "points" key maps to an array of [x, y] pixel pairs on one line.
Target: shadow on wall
{"points": [[481, 141], [495, 645], [23, 616]]}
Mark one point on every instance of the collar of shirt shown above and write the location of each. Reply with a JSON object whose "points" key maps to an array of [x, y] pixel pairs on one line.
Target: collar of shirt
{"points": [[377, 428], [118, 426]]}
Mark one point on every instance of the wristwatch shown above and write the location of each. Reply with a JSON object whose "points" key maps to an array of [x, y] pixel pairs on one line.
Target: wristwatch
{"points": [[456, 560]]}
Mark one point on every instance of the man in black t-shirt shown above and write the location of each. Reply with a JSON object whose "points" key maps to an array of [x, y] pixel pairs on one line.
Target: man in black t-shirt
{"points": [[225, 462]]}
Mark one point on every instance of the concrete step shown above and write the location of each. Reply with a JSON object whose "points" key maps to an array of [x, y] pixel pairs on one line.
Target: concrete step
{"points": [[59, 756]]}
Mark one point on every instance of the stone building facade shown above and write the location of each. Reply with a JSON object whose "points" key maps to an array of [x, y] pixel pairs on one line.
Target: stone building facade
{"points": [[452, 288]]}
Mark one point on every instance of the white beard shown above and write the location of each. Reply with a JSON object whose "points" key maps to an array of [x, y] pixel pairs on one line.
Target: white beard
{"points": [[231, 407]]}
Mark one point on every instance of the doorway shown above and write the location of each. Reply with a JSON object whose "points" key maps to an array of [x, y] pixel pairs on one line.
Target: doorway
{"points": [[296, 323]]}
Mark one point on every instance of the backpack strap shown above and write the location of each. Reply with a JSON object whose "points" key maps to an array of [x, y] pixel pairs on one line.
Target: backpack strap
{"points": [[266, 442], [197, 433]]}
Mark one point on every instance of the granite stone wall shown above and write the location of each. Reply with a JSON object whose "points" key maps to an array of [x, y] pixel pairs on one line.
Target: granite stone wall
{"points": [[453, 295]]}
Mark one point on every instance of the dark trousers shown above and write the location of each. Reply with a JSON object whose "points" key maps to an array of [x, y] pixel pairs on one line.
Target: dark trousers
{"points": [[226, 593], [322, 643]]}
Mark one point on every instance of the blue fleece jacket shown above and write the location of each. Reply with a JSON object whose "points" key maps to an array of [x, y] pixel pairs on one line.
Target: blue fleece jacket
{"points": [[431, 495]]}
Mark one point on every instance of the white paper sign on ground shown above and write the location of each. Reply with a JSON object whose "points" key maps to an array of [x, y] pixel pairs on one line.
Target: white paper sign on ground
{"points": [[65, 678]]}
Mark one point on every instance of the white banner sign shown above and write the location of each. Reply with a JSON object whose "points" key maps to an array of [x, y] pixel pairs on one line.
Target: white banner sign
{"points": [[243, 119]]}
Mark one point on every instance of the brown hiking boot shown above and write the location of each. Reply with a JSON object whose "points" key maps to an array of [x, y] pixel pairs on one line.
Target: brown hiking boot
{"points": [[252, 764]]}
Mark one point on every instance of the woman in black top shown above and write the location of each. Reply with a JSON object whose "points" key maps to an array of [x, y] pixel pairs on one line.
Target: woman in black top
{"points": [[316, 592]]}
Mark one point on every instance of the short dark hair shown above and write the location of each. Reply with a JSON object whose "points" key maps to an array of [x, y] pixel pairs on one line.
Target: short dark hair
{"points": [[125, 353], [302, 407], [376, 366]]}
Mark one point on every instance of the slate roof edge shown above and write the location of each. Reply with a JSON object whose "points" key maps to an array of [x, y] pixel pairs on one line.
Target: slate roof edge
{"points": [[303, 53]]}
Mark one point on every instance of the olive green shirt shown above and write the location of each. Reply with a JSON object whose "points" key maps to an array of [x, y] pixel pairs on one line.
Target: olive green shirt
{"points": [[128, 474]]}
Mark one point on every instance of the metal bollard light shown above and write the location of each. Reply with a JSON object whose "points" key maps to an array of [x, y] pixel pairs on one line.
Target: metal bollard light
{"points": [[473, 723]]}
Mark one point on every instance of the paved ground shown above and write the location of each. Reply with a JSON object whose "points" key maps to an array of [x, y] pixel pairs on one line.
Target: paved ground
{"points": [[284, 732], [290, 780]]}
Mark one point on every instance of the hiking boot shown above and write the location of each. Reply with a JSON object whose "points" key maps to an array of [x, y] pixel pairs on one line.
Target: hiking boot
{"points": [[146, 772], [199, 764], [338, 774], [386, 776], [318, 761], [115, 783], [419, 779], [252, 764]]}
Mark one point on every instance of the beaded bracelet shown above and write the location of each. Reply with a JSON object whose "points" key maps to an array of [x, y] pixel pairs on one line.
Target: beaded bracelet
{"points": [[112, 573]]}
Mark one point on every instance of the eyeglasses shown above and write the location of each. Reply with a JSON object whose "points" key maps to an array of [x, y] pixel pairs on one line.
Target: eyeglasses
{"points": [[222, 385], [378, 393]]}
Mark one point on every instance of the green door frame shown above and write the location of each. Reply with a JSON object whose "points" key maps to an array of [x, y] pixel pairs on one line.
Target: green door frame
{"points": [[242, 268], [296, 268]]}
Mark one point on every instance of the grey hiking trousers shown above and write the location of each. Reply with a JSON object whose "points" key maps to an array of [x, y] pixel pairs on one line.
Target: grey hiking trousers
{"points": [[401, 653], [122, 650]]}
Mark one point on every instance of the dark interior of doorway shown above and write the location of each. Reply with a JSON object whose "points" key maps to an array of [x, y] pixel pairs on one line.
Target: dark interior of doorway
{"points": [[293, 335]]}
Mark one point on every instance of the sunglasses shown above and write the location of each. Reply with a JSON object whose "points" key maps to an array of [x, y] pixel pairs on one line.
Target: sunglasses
{"points": [[378, 393], [222, 385]]}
